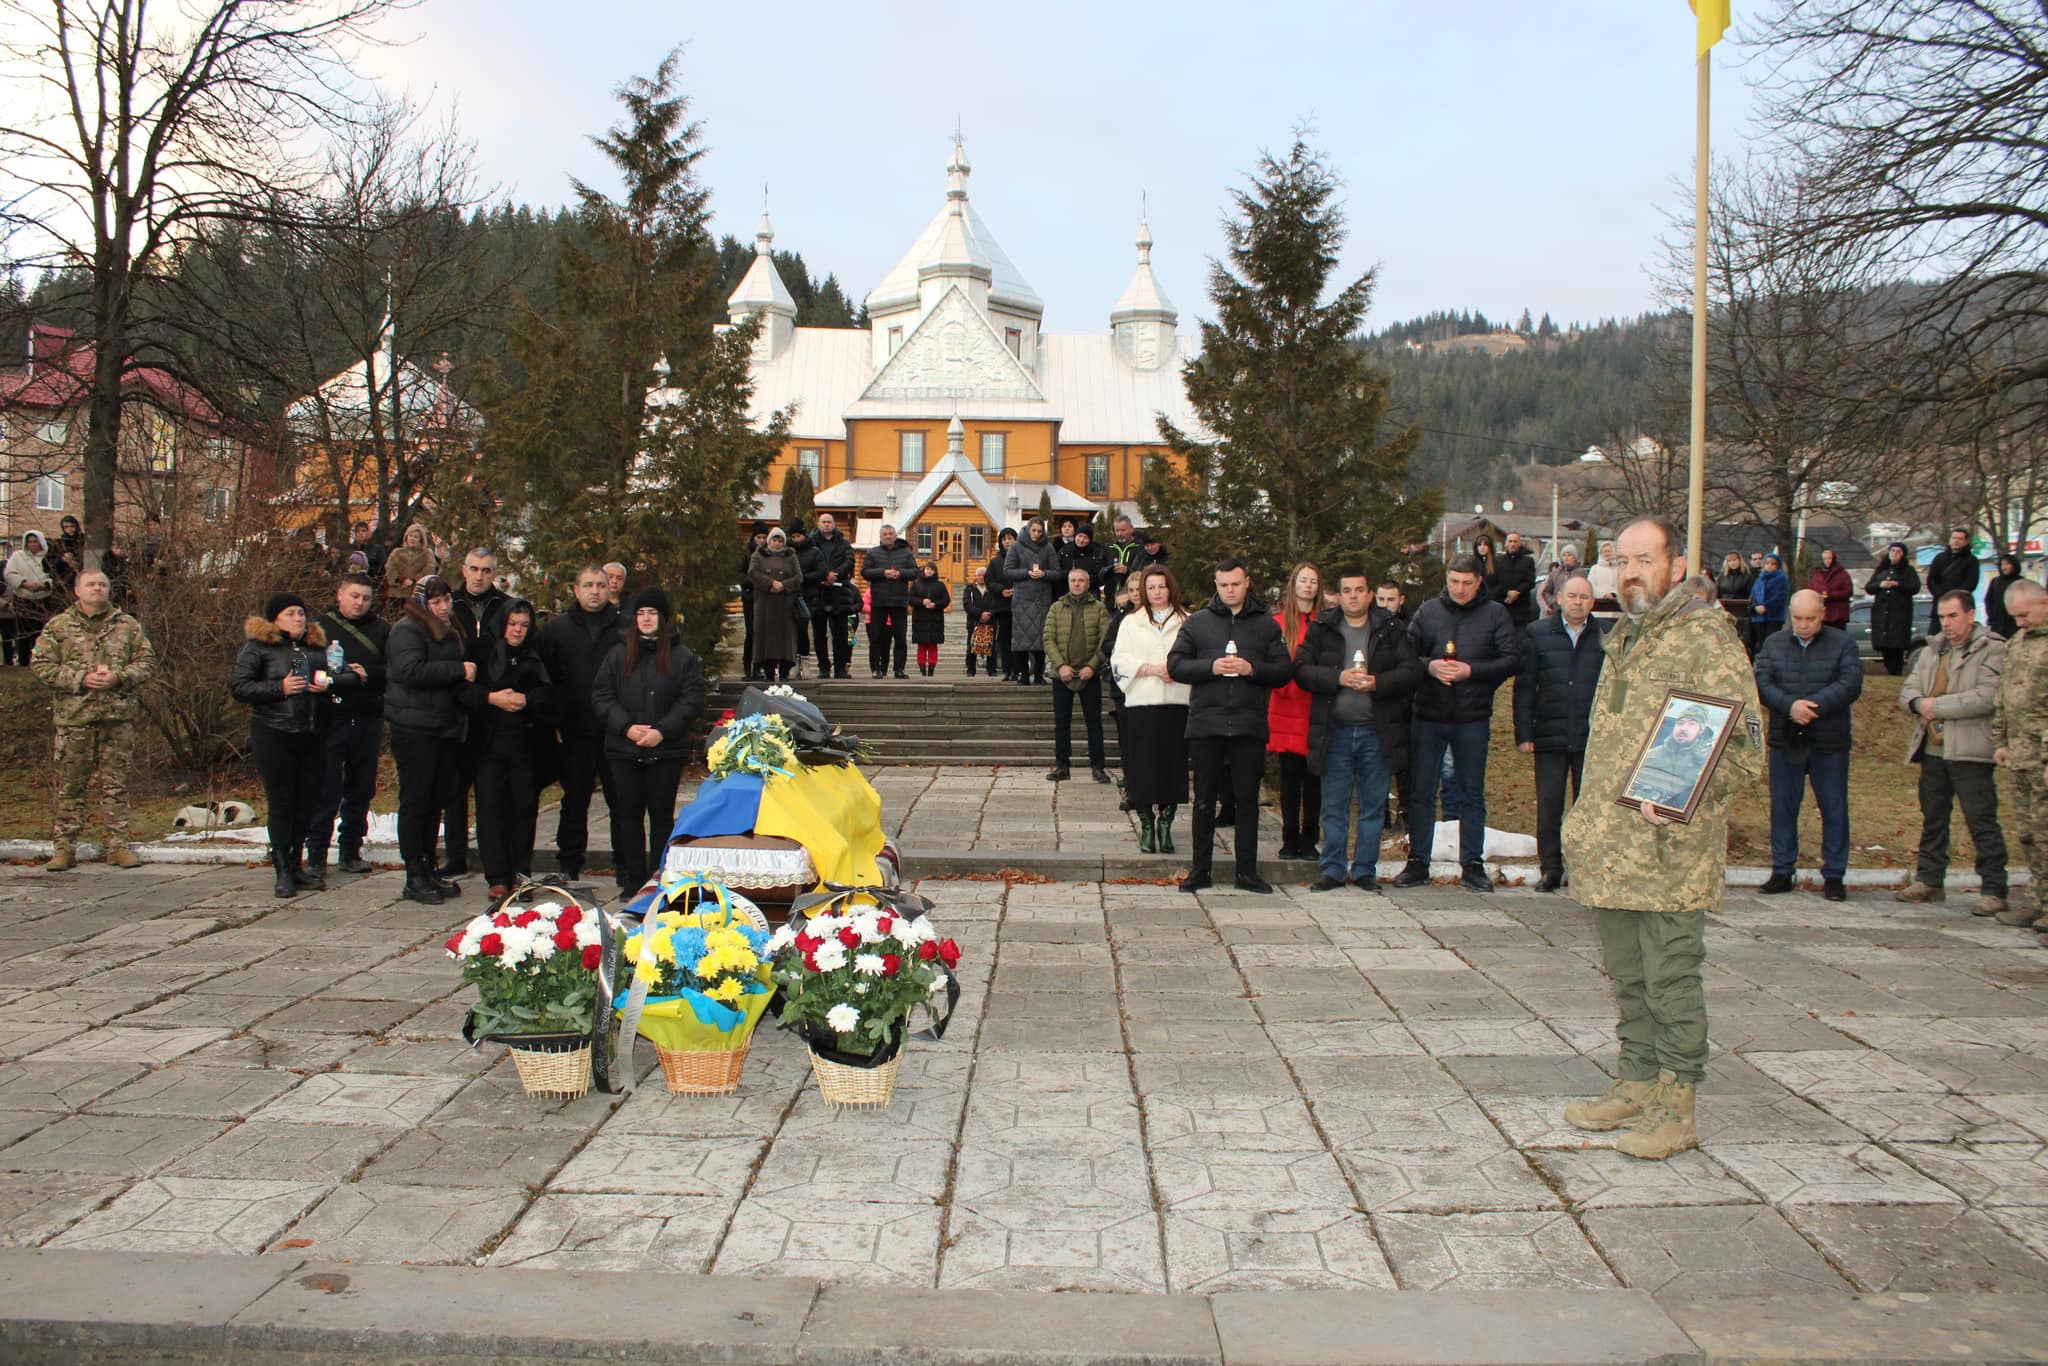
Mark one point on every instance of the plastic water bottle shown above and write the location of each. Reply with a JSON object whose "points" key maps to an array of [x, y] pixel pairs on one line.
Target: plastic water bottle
{"points": [[1230, 647], [337, 660]]}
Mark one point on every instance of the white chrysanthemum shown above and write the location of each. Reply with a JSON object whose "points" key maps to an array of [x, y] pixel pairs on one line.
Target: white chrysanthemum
{"points": [[868, 964], [831, 956], [860, 988], [479, 925], [939, 980], [543, 947], [550, 909], [915, 932], [826, 926], [586, 933], [842, 1018], [470, 940], [518, 947], [783, 937], [866, 925]]}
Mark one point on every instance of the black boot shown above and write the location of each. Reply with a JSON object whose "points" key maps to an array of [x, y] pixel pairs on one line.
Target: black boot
{"points": [[351, 861], [313, 878], [281, 864], [1165, 828], [419, 884]]}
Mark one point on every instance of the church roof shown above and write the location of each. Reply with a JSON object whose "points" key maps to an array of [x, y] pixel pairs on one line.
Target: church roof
{"points": [[1142, 297], [340, 408], [761, 289], [956, 235]]}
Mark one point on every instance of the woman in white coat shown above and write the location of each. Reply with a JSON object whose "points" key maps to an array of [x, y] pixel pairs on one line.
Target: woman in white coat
{"points": [[1155, 708]]}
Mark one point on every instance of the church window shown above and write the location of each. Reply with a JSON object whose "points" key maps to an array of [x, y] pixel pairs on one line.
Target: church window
{"points": [[1014, 338], [977, 543], [924, 540], [910, 452], [895, 340], [811, 461], [1098, 476], [994, 451]]}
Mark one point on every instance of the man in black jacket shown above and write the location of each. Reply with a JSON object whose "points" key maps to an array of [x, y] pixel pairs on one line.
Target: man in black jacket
{"points": [[1470, 648], [480, 607], [1516, 586], [1231, 656], [837, 597], [1359, 669], [572, 646], [1807, 678], [810, 629], [889, 568], [1561, 659], [1953, 570], [355, 731]]}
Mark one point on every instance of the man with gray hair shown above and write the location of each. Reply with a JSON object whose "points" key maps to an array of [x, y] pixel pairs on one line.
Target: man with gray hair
{"points": [[1950, 693], [889, 568], [615, 583], [1561, 659], [1808, 678]]}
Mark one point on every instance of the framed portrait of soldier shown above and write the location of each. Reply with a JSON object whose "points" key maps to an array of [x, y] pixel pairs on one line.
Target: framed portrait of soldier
{"points": [[1677, 758]]}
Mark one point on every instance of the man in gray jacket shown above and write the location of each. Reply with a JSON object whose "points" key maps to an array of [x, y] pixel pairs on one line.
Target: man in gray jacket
{"points": [[1951, 691]]}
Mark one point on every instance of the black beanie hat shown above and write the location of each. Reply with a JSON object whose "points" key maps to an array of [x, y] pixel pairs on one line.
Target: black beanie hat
{"points": [[282, 602], [652, 596]]}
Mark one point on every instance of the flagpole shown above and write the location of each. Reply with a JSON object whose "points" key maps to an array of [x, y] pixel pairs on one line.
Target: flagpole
{"points": [[1697, 474]]}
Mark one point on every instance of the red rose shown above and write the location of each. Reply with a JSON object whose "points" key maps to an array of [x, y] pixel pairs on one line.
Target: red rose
{"points": [[570, 918], [927, 951], [810, 961], [949, 953], [850, 937], [885, 924], [491, 945], [807, 944], [726, 717], [565, 940], [592, 955], [891, 965], [502, 921], [454, 944], [525, 918]]}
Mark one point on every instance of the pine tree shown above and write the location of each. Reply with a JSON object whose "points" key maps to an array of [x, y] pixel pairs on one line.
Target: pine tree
{"points": [[798, 497], [592, 465], [1302, 460], [1045, 509]]}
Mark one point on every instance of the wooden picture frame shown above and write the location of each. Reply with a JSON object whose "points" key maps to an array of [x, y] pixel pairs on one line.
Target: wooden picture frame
{"points": [[1676, 782]]}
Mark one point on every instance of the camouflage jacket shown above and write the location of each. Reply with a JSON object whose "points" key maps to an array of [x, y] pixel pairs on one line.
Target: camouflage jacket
{"points": [[2020, 720], [72, 644], [1617, 859]]}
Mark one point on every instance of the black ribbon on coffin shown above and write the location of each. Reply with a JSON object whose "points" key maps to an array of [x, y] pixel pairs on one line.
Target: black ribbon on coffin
{"points": [[817, 740], [898, 902], [611, 952]]}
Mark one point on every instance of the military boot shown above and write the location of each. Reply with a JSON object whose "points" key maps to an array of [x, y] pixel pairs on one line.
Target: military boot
{"points": [[62, 859], [1622, 1104], [121, 856], [1666, 1126], [2018, 915], [1148, 832], [1919, 894]]}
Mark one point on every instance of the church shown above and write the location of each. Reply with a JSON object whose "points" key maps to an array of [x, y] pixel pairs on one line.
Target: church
{"points": [[953, 413]]}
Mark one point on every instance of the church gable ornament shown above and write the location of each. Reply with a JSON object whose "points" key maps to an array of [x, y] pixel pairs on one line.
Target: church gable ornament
{"points": [[953, 354]]}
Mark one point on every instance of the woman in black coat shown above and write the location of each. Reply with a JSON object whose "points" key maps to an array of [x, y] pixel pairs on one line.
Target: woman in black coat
{"points": [[1892, 587], [1995, 616], [647, 692], [281, 674], [423, 717], [929, 601], [511, 704]]}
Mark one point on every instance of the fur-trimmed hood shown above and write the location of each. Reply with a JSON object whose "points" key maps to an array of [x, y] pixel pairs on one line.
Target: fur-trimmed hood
{"points": [[268, 633]]}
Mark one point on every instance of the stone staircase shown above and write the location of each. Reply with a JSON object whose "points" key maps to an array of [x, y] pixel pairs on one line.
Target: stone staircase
{"points": [[957, 720]]}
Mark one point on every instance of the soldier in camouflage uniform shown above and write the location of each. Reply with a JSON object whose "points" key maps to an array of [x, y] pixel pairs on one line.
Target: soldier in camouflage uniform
{"points": [[94, 657], [1649, 880], [2019, 733]]}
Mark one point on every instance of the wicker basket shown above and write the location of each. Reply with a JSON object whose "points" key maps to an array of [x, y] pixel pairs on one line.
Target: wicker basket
{"points": [[702, 1072], [867, 1087], [556, 1072]]}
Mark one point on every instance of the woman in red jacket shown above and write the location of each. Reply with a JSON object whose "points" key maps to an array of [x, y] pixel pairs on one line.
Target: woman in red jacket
{"points": [[1301, 792], [1835, 587]]}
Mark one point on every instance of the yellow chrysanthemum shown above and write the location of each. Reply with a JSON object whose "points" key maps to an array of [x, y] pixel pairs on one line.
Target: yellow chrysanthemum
{"points": [[728, 991], [632, 948], [647, 970], [665, 947]]}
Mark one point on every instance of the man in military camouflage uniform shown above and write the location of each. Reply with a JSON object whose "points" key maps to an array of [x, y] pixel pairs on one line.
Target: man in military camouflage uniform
{"points": [[95, 658], [2019, 734], [1649, 880]]}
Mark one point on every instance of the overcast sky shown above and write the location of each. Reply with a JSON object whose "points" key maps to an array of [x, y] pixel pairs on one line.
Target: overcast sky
{"points": [[1496, 154]]}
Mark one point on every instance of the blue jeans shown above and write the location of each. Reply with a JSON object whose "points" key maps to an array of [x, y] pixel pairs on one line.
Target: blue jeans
{"points": [[350, 782], [1829, 774], [1465, 794], [1352, 764]]}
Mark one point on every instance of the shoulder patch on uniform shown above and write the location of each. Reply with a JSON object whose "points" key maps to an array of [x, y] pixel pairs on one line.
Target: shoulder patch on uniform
{"points": [[1756, 733]]}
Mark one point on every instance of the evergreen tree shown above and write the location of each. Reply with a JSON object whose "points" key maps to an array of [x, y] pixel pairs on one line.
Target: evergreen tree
{"points": [[592, 465], [1045, 511], [798, 497], [1305, 463]]}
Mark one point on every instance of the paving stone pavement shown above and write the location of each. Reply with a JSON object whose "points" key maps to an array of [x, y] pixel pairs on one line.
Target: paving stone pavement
{"points": [[1143, 1091]]}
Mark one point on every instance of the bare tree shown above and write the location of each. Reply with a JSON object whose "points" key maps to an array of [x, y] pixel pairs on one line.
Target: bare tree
{"points": [[137, 127]]}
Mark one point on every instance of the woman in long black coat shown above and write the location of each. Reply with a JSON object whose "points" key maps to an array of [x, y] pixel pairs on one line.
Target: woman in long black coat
{"points": [[1995, 616], [1892, 587], [646, 693], [930, 600], [511, 705]]}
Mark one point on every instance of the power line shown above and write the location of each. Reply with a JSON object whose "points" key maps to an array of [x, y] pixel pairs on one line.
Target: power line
{"points": [[1573, 451]]}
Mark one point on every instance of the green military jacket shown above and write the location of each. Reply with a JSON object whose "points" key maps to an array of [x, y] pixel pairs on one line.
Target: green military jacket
{"points": [[1074, 628], [72, 644], [2019, 721], [1617, 859]]}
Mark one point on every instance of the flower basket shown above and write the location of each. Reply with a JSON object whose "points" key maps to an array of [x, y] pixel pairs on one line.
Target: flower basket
{"points": [[552, 1068], [540, 974], [700, 983], [868, 1088]]}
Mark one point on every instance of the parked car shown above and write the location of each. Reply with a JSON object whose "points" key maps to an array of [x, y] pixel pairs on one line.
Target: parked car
{"points": [[1859, 622]]}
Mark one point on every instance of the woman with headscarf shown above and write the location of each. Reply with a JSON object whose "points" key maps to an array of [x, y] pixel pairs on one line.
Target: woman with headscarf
{"points": [[1033, 570], [69, 560], [1892, 587], [31, 590], [425, 673], [511, 703], [778, 582], [647, 692], [1835, 587], [281, 676], [406, 566], [1996, 617], [930, 600], [1287, 717]]}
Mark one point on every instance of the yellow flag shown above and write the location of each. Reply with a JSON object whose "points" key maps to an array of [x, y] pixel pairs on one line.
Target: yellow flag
{"points": [[1713, 18]]}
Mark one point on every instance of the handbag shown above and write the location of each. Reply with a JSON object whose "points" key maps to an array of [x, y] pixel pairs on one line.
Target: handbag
{"points": [[803, 609]]}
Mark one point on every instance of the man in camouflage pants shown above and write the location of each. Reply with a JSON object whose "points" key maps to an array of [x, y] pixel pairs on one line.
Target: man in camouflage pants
{"points": [[2019, 733], [1648, 879], [94, 658]]}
